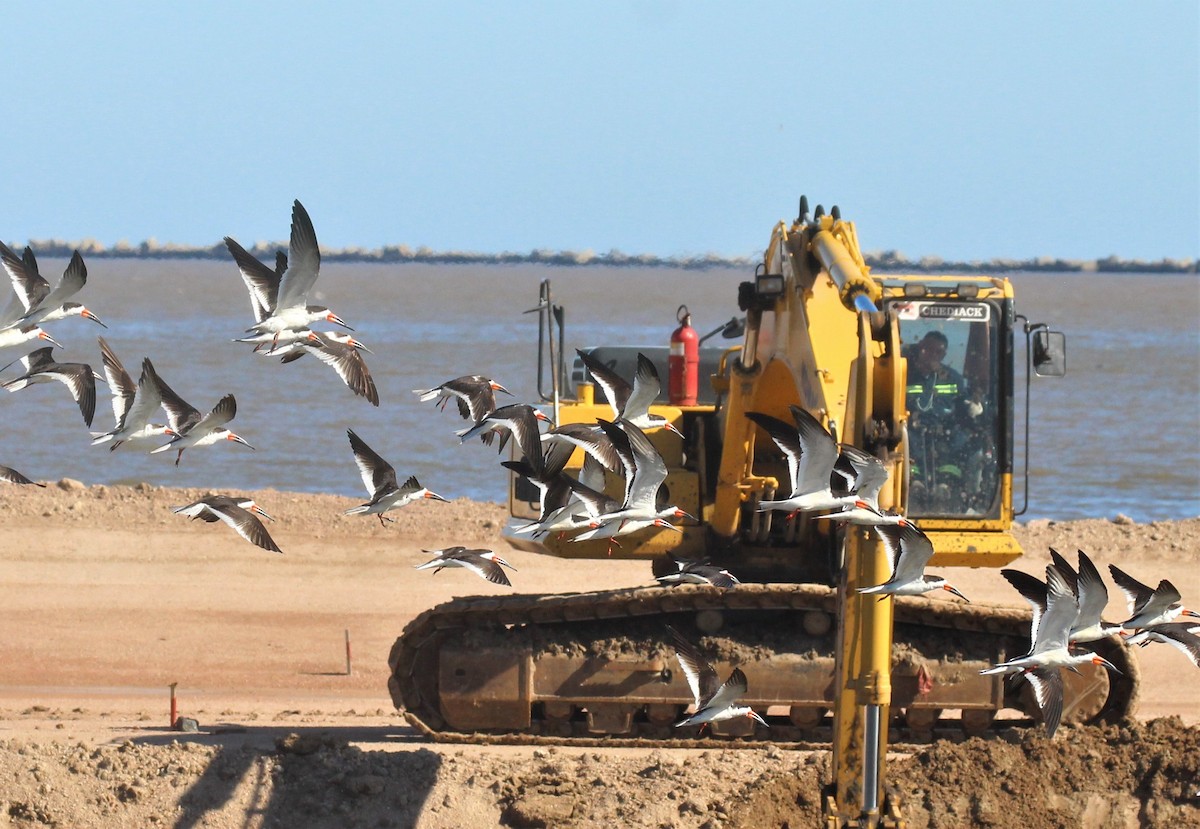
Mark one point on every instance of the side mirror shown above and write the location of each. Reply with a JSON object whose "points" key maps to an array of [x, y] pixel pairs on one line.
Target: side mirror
{"points": [[729, 330], [1049, 353]]}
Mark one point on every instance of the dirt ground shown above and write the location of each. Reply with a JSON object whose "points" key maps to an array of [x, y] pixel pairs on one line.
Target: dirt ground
{"points": [[108, 598]]}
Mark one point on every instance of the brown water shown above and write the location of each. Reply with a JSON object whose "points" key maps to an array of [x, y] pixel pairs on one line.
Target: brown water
{"points": [[1118, 434]]}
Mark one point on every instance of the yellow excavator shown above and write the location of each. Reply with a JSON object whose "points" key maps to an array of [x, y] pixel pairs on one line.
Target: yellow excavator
{"points": [[824, 663]]}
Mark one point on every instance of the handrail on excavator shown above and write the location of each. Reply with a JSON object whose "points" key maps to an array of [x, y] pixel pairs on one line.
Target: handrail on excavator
{"points": [[550, 317]]}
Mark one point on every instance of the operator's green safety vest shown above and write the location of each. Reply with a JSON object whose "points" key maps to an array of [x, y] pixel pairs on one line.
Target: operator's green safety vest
{"points": [[938, 388], [939, 396]]}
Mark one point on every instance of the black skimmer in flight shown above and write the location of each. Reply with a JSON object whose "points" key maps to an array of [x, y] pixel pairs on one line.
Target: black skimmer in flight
{"points": [[1033, 590], [591, 439], [811, 455], [1087, 626], [1090, 590], [586, 503], [1181, 635], [239, 513], [630, 402], [474, 394], [865, 475], [11, 337], [605, 527], [188, 427], [552, 483], [519, 420], [1051, 651], [909, 550], [281, 299], [645, 472], [379, 478], [80, 380], [261, 282], [8, 475], [293, 348], [555, 502], [33, 300], [644, 469], [699, 572], [864, 514], [342, 357], [1149, 607], [715, 701], [484, 563], [275, 345], [133, 405], [21, 271]]}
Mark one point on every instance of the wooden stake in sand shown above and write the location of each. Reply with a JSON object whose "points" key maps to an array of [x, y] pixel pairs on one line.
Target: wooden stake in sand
{"points": [[174, 706], [347, 652]]}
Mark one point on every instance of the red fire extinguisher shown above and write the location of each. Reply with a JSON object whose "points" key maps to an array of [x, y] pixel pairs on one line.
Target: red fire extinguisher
{"points": [[684, 363]]}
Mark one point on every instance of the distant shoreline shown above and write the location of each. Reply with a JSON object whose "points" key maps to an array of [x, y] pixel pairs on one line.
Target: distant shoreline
{"points": [[884, 262]]}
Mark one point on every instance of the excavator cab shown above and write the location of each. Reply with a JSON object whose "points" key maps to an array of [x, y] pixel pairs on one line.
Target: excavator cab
{"points": [[957, 406]]}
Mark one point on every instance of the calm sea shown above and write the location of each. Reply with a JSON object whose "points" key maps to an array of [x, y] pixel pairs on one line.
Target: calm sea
{"points": [[1119, 434]]}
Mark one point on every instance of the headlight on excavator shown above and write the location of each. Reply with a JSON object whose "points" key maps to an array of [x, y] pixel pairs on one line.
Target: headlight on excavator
{"points": [[768, 285]]}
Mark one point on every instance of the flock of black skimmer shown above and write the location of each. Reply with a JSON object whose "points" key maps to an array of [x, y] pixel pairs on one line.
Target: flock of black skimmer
{"points": [[834, 482], [1067, 609]]}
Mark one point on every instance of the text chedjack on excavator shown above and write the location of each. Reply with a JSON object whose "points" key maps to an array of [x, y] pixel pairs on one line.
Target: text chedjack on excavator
{"points": [[823, 663]]}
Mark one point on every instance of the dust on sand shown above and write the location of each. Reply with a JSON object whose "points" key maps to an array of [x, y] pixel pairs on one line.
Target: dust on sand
{"points": [[107, 595]]}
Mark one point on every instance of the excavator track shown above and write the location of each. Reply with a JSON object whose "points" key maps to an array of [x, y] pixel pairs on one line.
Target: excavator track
{"points": [[594, 668]]}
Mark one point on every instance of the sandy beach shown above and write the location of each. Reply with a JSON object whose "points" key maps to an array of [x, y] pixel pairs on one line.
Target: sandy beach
{"points": [[108, 598]]}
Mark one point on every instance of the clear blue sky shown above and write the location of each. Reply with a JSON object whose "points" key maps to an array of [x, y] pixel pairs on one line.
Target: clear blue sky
{"points": [[965, 130]]}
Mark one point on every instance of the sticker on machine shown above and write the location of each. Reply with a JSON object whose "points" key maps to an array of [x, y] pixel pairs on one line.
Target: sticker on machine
{"points": [[964, 312]]}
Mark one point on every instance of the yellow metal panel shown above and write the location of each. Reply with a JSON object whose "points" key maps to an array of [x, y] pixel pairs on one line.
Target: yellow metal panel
{"points": [[735, 457], [826, 321], [822, 322], [960, 542], [776, 391], [966, 548]]}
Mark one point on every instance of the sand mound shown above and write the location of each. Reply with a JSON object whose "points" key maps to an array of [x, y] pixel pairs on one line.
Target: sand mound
{"points": [[1136, 774]]}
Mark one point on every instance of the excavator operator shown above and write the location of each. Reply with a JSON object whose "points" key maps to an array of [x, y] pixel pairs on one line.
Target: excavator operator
{"points": [[941, 408], [933, 386]]}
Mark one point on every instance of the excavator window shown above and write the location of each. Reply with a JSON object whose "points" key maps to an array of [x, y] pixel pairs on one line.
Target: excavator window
{"points": [[952, 396]]}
